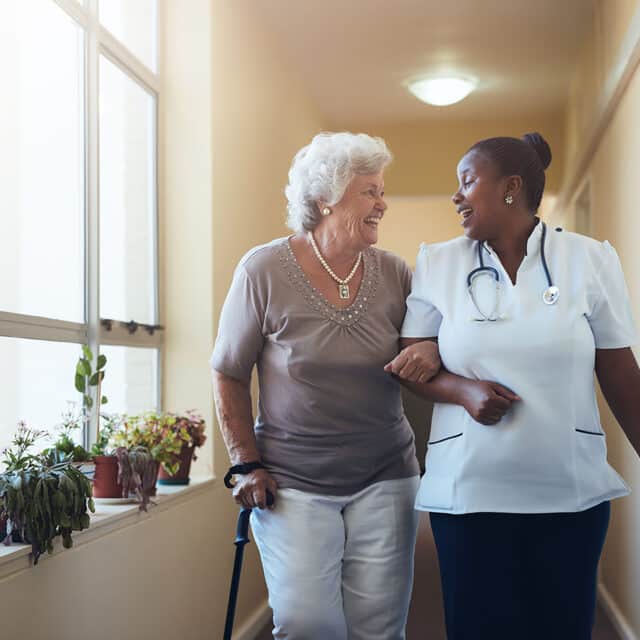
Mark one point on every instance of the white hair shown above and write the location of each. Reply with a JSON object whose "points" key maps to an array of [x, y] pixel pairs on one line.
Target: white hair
{"points": [[323, 170]]}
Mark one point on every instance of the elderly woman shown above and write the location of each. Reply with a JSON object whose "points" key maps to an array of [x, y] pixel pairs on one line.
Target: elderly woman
{"points": [[320, 313]]}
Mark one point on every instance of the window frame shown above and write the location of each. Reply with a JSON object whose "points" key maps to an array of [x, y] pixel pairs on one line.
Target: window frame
{"points": [[94, 331]]}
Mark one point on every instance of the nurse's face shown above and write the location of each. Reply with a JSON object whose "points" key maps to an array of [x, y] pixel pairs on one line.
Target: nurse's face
{"points": [[480, 197]]}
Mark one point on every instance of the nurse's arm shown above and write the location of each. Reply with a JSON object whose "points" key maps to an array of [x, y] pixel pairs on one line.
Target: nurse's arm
{"points": [[486, 401], [619, 378], [235, 417]]}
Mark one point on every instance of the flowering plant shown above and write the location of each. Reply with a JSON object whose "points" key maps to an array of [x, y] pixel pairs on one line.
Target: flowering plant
{"points": [[189, 427], [151, 431]]}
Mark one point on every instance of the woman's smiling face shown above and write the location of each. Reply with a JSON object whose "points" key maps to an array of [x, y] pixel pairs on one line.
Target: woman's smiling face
{"points": [[361, 209], [480, 197]]}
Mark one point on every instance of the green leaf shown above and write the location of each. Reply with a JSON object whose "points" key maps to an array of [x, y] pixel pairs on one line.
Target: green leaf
{"points": [[104, 400], [89, 401], [84, 367], [87, 352], [102, 360], [80, 385], [93, 380]]}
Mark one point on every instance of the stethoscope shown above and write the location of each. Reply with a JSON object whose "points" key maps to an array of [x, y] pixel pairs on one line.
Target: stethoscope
{"points": [[549, 295]]}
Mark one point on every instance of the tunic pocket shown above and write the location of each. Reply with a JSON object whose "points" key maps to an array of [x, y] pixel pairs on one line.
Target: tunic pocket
{"points": [[593, 472], [435, 492], [437, 487]]}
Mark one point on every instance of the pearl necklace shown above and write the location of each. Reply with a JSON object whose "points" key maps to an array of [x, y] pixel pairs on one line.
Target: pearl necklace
{"points": [[343, 284]]}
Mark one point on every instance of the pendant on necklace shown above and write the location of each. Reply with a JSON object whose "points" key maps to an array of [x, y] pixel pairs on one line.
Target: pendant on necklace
{"points": [[343, 291]]}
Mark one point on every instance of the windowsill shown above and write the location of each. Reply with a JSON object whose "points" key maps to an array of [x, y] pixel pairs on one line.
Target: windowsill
{"points": [[107, 518]]}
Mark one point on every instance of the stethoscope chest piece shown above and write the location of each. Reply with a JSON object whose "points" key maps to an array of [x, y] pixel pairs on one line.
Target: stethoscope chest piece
{"points": [[551, 295]]}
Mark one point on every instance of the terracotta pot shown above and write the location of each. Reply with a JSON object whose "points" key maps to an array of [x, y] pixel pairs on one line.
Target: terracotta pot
{"points": [[182, 475], [105, 480]]}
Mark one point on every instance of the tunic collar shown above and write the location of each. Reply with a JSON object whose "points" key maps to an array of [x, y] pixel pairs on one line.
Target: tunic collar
{"points": [[533, 242]]}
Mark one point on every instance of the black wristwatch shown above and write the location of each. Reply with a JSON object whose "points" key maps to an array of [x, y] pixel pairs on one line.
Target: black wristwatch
{"points": [[241, 469]]}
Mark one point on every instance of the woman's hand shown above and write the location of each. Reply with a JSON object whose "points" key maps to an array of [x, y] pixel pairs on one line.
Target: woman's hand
{"points": [[251, 489], [418, 362], [487, 402]]}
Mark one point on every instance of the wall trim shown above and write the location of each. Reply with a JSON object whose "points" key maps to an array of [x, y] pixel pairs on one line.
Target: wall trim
{"points": [[256, 623], [615, 615], [618, 79]]}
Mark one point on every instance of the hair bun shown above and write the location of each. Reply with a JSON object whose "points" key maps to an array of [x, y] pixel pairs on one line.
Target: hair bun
{"points": [[540, 146]]}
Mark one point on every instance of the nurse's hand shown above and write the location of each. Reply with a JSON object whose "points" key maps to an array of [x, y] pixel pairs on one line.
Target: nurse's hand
{"points": [[487, 402], [418, 362], [251, 489]]}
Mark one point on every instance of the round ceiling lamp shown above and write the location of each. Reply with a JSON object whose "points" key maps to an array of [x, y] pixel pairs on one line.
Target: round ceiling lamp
{"points": [[442, 91]]}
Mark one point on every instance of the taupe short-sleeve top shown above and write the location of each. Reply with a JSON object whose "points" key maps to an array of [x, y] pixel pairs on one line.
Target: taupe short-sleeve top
{"points": [[330, 419]]}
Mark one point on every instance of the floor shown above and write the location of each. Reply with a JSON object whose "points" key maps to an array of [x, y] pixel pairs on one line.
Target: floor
{"points": [[427, 622]]}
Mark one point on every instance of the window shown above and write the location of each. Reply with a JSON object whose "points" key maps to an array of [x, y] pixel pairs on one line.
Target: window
{"points": [[78, 205]]}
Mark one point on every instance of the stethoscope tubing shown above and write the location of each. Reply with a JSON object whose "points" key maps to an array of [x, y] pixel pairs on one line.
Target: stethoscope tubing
{"points": [[496, 276]]}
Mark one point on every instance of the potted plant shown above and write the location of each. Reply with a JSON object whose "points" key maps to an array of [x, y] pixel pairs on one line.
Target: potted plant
{"points": [[106, 482], [43, 495], [142, 444], [88, 382], [189, 428]]}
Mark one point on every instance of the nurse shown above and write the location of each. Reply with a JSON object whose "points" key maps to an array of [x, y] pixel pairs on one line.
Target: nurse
{"points": [[517, 481]]}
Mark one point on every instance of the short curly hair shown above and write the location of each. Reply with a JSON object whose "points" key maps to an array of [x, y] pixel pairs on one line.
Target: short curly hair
{"points": [[323, 170]]}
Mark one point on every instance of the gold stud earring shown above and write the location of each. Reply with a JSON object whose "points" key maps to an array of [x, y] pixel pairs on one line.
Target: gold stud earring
{"points": [[326, 211], [509, 199]]}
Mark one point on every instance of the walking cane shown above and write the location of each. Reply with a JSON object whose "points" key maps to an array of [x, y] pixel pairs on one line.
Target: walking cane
{"points": [[242, 538]]}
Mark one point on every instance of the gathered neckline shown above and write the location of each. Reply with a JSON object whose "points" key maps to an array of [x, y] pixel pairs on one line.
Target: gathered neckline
{"points": [[345, 316]]}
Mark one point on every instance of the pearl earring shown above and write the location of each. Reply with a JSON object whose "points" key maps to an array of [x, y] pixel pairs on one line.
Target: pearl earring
{"points": [[326, 211], [509, 199]]}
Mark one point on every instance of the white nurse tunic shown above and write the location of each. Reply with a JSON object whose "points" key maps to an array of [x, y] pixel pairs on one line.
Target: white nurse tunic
{"points": [[548, 453]]}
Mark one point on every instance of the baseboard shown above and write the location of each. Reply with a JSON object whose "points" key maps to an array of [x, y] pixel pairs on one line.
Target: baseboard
{"points": [[615, 615], [256, 623]]}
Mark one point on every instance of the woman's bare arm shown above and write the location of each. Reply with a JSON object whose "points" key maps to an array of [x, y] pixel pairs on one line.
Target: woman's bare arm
{"points": [[619, 378], [487, 402], [235, 417]]}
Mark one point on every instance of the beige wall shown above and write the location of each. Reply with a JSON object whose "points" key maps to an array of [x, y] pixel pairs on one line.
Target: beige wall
{"points": [[612, 176], [410, 220], [609, 24], [426, 155], [164, 578]]}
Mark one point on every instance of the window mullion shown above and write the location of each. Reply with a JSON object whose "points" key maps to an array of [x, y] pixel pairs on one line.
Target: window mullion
{"points": [[92, 233]]}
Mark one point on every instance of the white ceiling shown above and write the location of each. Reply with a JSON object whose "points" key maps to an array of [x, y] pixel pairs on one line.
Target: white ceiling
{"points": [[353, 56]]}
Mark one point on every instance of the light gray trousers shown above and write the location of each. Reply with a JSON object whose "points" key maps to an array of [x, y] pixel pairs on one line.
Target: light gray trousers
{"points": [[339, 567]]}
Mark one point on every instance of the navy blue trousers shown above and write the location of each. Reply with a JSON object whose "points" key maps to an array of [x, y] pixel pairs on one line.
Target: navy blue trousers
{"points": [[520, 576]]}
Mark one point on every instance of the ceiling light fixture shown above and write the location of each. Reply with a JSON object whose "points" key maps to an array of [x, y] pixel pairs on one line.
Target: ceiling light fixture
{"points": [[442, 91]]}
